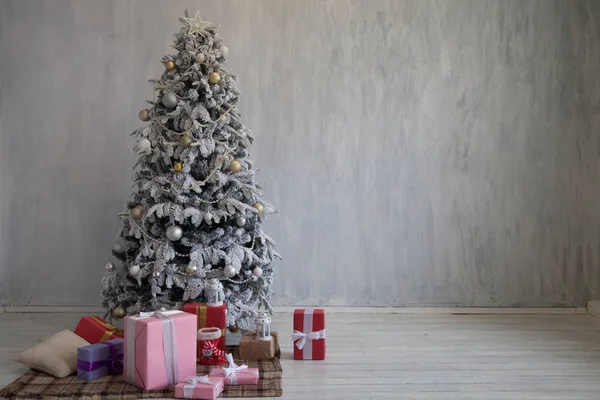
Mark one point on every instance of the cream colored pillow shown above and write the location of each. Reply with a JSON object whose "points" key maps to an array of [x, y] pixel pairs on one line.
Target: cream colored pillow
{"points": [[56, 355]]}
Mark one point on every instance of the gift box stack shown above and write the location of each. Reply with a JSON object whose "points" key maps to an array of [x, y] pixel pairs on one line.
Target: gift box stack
{"points": [[162, 348]]}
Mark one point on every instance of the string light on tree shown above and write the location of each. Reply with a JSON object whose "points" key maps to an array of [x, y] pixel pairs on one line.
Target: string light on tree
{"points": [[109, 266]]}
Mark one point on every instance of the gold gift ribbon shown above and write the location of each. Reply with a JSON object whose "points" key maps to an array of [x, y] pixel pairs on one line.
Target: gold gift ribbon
{"points": [[110, 330], [201, 317], [201, 314]]}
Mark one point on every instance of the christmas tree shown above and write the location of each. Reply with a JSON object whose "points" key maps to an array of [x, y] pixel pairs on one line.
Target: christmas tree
{"points": [[197, 211]]}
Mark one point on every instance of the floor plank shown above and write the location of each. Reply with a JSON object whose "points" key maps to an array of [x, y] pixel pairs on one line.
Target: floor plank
{"points": [[404, 356]]}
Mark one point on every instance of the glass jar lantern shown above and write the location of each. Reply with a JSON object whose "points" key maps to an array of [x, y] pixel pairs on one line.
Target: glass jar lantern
{"points": [[214, 293], [263, 327]]}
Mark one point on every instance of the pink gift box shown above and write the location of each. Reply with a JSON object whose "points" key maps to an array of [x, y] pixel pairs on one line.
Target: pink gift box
{"points": [[160, 348], [248, 376], [200, 387]]}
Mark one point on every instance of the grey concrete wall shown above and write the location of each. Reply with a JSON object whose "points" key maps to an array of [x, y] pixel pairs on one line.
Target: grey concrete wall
{"points": [[420, 152]]}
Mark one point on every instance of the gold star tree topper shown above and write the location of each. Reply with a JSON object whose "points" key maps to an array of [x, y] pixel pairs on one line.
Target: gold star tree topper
{"points": [[196, 24]]}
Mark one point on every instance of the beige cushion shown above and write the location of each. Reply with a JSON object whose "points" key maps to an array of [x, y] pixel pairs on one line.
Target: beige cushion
{"points": [[56, 355]]}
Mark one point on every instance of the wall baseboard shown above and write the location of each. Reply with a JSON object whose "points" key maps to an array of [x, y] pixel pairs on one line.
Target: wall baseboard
{"points": [[350, 310], [593, 308], [1, 310]]}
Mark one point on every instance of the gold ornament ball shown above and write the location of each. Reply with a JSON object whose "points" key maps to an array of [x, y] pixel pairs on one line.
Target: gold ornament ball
{"points": [[144, 115], [259, 208], [234, 329], [170, 65], [136, 213], [185, 140], [214, 77], [178, 167], [235, 166], [119, 312]]}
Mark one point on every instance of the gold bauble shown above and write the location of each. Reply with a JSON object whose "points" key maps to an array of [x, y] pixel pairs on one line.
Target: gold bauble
{"points": [[178, 167], [170, 65], [136, 213], [235, 166], [119, 312], [214, 77], [144, 115], [185, 140], [259, 208], [234, 329]]}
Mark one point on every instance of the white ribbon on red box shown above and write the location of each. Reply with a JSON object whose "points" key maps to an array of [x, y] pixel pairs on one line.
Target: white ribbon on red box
{"points": [[304, 340]]}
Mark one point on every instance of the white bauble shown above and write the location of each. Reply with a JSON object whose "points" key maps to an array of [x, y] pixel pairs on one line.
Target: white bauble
{"points": [[134, 270], [224, 51], [257, 271], [208, 218], [229, 271], [143, 145], [174, 233]]}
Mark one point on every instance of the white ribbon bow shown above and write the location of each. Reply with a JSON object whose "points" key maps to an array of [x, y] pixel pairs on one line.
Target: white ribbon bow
{"points": [[303, 336], [190, 385], [232, 369]]}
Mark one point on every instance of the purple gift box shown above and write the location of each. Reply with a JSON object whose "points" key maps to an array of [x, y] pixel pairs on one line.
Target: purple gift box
{"points": [[100, 359]]}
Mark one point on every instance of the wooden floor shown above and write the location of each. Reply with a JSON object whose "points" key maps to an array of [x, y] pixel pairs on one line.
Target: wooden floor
{"points": [[390, 356]]}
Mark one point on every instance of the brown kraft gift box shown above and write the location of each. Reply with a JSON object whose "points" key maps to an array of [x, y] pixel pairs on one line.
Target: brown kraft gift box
{"points": [[252, 349]]}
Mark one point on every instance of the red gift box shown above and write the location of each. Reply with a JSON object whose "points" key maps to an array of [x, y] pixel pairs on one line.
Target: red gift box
{"points": [[309, 334], [96, 330], [209, 317]]}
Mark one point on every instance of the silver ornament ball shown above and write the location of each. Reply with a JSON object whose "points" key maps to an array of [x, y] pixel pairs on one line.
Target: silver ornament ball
{"points": [[134, 270], [191, 269], [174, 233], [143, 145], [169, 100], [229, 271], [224, 51], [109, 266], [240, 220], [200, 58], [208, 218]]}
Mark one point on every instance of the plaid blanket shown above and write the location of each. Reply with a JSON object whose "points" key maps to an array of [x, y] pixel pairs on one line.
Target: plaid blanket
{"points": [[38, 385]]}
